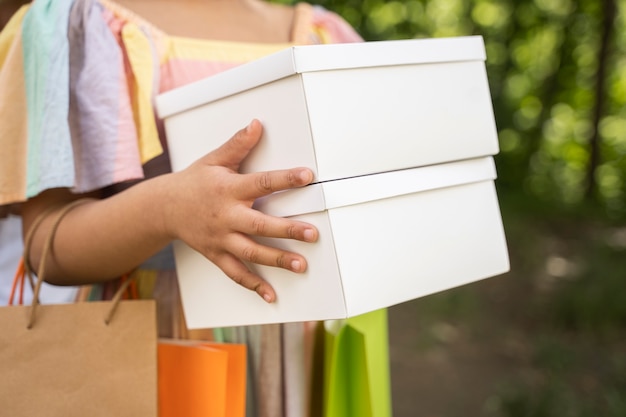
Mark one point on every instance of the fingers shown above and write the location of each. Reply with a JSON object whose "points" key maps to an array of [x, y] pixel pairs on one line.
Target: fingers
{"points": [[260, 224], [235, 150], [246, 249], [252, 186], [252, 252], [260, 184], [268, 256], [238, 248], [239, 273], [243, 249], [227, 242]]}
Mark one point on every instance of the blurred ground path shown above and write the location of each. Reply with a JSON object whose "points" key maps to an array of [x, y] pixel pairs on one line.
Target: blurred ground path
{"points": [[445, 367]]}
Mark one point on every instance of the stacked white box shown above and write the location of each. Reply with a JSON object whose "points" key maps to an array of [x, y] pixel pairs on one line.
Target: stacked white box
{"points": [[400, 136]]}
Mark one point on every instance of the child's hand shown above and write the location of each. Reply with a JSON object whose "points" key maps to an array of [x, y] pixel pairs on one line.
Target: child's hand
{"points": [[212, 212]]}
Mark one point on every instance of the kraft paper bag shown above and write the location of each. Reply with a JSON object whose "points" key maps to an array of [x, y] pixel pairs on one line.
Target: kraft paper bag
{"points": [[201, 379], [356, 367], [81, 359], [71, 363]]}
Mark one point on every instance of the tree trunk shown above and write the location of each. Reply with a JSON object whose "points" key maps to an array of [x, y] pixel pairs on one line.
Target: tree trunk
{"points": [[608, 24]]}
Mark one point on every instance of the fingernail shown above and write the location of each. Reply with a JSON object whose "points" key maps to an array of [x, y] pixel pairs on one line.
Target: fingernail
{"points": [[267, 298], [305, 175], [295, 265], [309, 235]]}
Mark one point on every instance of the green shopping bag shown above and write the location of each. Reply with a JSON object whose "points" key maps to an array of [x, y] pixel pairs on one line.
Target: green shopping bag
{"points": [[356, 367]]}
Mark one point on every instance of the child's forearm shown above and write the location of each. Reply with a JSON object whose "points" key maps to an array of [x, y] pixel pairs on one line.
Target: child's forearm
{"points": [[101, 239], [208, 206]]}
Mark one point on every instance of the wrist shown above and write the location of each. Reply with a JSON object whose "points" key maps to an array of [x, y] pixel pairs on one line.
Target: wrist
{"points": [[162, 204]]}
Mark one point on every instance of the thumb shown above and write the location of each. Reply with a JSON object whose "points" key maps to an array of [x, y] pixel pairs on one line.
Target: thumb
{"points": [[237, 148]]}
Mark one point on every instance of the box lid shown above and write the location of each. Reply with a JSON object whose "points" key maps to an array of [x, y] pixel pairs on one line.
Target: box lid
{"points": [[344, 192], [312, 58]]}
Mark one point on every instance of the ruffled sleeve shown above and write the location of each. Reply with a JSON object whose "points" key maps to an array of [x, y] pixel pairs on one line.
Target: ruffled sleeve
{"points": [[86, 124], [13, 130], [101, 120], [46, 73]]}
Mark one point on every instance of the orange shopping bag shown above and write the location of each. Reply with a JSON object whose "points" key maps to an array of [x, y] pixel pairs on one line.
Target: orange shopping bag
{"points": [[204, 379]]}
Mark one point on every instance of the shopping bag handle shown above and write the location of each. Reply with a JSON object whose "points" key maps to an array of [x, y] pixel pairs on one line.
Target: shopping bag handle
{"points": [[18, 279], [20, 271], [44, 259]]}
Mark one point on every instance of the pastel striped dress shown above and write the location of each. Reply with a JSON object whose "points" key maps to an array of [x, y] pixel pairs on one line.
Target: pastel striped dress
{"points": [[77, 86]]}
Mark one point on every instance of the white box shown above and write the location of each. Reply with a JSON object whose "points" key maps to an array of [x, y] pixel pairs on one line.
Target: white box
{"points": [[400, 136], [343, 110], [384, 239]]}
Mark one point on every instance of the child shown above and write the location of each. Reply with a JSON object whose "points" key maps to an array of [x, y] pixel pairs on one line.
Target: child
{"points": [[87, 71], [116, 63]]}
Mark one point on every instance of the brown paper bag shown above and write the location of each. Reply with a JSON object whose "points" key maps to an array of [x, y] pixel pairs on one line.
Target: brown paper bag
{"points": [[81, 359]]}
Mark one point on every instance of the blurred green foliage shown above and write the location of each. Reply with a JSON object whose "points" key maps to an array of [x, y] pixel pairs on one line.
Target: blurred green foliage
{"points": [[557, 70]]}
